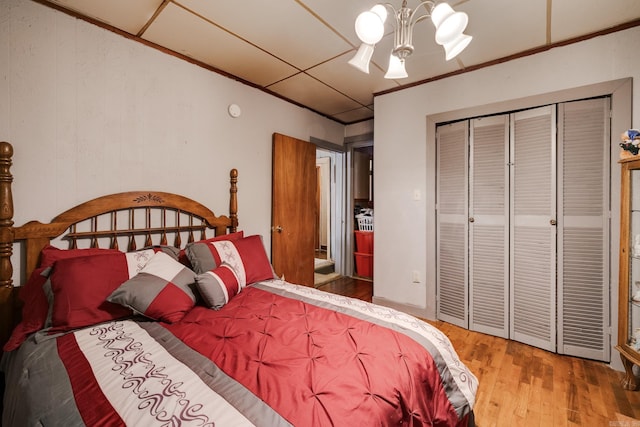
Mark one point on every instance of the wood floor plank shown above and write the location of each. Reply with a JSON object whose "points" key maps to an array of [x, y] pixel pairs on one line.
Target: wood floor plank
{"points": [[546, 416], [520, 385]]}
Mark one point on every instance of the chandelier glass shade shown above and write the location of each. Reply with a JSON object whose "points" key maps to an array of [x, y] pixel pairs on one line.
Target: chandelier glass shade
{"points": [[396, 68], [369, 26], [363, 57]]}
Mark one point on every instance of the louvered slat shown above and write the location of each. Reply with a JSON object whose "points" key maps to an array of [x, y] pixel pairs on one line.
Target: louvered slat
{"points": [[488, 288], [452, 272], [583, 296], [489, 243], [532, 290], [452, 239], [582, 243], [533, 281]]}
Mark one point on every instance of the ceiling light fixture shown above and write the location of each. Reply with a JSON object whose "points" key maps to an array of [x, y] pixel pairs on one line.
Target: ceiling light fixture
{"points": [[370, 30]]}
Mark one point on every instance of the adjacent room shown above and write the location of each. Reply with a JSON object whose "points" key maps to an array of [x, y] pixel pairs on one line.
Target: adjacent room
{"points": [[314, 213]]}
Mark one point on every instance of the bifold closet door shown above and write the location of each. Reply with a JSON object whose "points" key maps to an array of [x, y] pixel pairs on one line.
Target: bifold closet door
{"points": [[489, 225], [583, 233], [452, 231], [533, 227]]}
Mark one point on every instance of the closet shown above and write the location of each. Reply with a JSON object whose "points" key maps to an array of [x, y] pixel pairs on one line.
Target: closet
{"points": [[523, 226]]}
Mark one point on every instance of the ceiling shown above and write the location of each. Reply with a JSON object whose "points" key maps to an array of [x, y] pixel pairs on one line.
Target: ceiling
{"points": [[298, 49]]}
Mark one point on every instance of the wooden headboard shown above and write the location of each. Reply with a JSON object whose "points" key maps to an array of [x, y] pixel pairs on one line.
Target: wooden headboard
{"points": [[124, 220]]}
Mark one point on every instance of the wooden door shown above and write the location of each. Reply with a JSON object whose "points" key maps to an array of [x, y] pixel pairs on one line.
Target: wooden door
{"points": [[293, 209]]}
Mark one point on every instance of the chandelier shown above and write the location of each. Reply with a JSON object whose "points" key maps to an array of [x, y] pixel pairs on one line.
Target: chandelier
{"points": [[449, 26]]}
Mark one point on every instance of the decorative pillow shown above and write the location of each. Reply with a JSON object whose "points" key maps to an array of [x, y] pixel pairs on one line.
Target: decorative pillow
{"points": [[136, 260], [36, 303], [172, 251], [50, 254], [246, 256], [80, 287], [184, 259], [160, 291], [37, 293], [231, 236], [127, 265], [40, 314], [219, 285]]}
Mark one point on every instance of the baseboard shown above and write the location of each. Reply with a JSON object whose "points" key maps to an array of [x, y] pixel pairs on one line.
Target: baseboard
{"points": [[411, 309]]}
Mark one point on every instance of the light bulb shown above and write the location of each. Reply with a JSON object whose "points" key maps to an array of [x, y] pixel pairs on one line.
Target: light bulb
{"points": [[369, 27], [381, 11]]}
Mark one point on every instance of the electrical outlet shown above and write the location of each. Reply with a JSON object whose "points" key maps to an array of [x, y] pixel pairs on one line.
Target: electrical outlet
{"points": [[415, 276]]}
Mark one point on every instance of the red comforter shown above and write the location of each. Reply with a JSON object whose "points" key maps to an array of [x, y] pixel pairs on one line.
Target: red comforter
{"points": [[319, 367], [314, 359]]}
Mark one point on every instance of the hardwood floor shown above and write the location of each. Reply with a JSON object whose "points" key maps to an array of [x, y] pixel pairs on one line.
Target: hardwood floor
{"points": [[524, 386], [351, 287]]}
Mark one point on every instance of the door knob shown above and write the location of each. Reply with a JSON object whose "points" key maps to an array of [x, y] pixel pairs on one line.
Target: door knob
{"points": [[277, 228], [553, 222], [471, 219]]}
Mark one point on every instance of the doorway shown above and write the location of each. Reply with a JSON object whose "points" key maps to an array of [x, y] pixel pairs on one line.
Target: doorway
{"points": [[312, 238], [350, 184], [362, 210], [329, 216]]}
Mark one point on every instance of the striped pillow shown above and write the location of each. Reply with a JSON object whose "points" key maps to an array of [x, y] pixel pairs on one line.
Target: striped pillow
{"points": [[219, 285]]}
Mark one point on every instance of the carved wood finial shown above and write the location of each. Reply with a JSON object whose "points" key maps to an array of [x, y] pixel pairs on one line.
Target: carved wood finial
{"points": [[7, 312], [233, 201], [6, 215]]}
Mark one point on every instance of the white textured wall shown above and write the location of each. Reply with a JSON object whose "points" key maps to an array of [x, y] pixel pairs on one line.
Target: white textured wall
{"points": [[361, 128], [90, 113]]}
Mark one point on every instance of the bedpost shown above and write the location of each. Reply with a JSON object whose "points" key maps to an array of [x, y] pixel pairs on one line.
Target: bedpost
{"points": [[6, 243], [233, 202]]}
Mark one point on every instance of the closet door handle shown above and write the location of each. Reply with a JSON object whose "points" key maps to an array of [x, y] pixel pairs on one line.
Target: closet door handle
{"points": [[553, 222], [471, 219]]}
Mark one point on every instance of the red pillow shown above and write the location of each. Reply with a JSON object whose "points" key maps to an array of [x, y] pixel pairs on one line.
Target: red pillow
{"points": [[80, 288], [231, 236], [184, 259], [246, 256], [36, 305], [50, 254]]}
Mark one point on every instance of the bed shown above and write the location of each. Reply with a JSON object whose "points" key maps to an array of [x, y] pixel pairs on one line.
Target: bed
{"points": [[156, 311]]}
